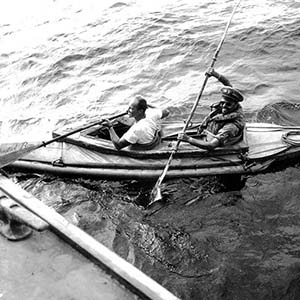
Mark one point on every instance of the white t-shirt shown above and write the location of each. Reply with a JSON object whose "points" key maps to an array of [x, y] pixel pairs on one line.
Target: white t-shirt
{"points": [[143, 131]]}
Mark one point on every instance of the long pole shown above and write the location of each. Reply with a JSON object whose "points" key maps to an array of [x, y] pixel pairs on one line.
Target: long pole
{"points": [[11, 157], [155, 193], [141, 284]]}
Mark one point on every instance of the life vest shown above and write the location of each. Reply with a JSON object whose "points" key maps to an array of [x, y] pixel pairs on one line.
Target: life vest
{"points": [[218, 121]]}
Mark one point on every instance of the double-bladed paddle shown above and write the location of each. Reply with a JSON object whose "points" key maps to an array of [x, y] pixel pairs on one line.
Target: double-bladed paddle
{"points": [[156, 193], [11, 157]]}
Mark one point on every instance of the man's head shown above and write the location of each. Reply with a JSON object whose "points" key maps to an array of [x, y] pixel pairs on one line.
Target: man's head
{"points": [[137, 107], [231, 98]]}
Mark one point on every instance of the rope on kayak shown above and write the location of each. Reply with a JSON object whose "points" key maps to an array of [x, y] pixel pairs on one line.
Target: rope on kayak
{"points": [[287, 139]]}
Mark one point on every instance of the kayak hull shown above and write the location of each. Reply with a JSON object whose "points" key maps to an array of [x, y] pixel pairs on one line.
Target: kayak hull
{"points": [[84, 155], [133, 173]]}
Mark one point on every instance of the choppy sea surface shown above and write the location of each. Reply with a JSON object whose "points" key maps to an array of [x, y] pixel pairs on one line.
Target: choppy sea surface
{"points": [[72, 61], [64, 62]]}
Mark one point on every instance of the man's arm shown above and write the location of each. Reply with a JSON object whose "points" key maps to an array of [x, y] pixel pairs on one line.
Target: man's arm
{"points": [[165, 113], [119, 143], [212, 144], [221, 78]]}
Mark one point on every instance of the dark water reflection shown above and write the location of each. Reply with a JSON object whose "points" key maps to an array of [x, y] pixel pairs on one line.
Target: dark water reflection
{"points": [[281, 113], [208, 239]]}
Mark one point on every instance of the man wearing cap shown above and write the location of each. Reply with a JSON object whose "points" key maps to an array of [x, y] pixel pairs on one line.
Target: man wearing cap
{"points": [[144, 132], [225, 124]]}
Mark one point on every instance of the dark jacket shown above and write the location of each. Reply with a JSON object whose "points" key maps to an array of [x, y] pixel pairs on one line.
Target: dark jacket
{"points": [[227, 128]]}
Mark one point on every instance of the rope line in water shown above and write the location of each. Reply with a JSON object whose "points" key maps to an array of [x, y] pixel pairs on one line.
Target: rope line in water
{"points": [[287, 139]]}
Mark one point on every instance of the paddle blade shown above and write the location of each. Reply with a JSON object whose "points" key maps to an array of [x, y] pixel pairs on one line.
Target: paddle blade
{"points": [[8, 158], [155, 195]]}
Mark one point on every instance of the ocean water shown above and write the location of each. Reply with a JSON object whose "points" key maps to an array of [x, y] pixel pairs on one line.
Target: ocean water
{"points": [[67, 61], [73, 61]]}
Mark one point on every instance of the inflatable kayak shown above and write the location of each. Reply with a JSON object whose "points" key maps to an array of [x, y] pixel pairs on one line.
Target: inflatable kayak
{"points": [[90, 153]]}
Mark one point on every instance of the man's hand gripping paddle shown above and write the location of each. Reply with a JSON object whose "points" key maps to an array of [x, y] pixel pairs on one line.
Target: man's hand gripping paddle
{"points": [[155, 194]]}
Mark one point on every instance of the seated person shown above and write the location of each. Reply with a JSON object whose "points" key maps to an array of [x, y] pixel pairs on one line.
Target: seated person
{"points": [[225, 124], [145, 129]]}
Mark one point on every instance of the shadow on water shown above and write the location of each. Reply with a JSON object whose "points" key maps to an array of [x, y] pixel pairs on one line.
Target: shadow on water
{"points": [[212, 235]]}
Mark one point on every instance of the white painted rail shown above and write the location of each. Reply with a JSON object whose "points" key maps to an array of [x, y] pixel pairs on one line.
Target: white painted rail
{"points": [[137, 280]]}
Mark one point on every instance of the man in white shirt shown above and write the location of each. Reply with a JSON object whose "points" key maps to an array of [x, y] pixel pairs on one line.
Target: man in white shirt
{"points": [[144, 131]]}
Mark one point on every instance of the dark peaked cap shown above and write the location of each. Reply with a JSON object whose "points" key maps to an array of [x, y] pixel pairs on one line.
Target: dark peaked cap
{"points": [[232, 94]]}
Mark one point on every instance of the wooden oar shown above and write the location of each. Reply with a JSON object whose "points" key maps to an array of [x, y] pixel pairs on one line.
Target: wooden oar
{"points": [[10, 157], [156, 193]]}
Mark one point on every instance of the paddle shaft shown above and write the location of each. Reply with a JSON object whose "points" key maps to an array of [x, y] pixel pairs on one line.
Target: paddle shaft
{"points": [[10, 157], [79, 129], [161, 178]]}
